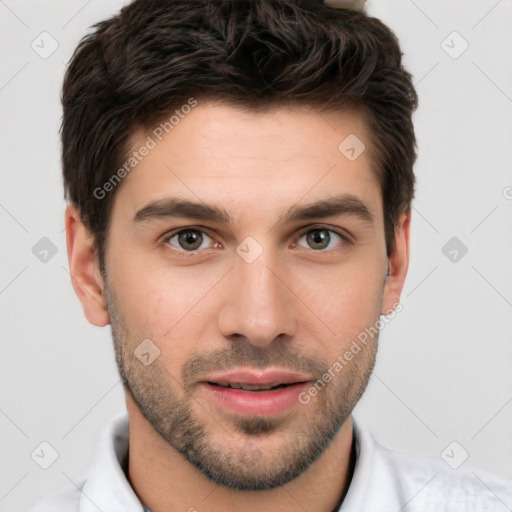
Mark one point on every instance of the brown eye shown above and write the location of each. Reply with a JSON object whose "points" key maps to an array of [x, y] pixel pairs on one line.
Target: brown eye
{"points": [[188, 240], [319, 239]]}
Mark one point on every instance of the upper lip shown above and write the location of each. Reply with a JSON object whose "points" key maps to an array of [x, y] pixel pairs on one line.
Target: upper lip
{"points": [[254, 377]]}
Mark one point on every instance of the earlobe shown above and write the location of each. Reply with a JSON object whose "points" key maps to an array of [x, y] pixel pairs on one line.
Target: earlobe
{"points": [[84, 269], [398, 264]]}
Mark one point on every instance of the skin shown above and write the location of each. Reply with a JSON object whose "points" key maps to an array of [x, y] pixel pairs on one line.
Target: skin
{"points": [[293, 307]]}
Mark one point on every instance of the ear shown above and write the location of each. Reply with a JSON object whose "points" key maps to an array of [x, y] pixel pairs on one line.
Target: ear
{"points": [[398, 264], [84, 269]]}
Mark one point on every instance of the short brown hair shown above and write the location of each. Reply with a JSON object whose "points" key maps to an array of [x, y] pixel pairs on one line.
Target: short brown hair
{"points": [[137, 67]]}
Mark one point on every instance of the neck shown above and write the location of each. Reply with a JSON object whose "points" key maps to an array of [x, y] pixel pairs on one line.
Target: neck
{"points": [[165, 481]]}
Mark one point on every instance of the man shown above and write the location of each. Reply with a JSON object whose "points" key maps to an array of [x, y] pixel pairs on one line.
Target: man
{"points": [[240, 176]]}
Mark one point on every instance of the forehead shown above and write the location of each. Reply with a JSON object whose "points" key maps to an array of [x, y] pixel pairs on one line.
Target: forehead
{"points": [[258, 162]]}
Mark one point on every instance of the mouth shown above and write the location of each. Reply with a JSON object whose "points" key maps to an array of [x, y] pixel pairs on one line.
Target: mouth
{"points": [[255, 392], [250, 387]]}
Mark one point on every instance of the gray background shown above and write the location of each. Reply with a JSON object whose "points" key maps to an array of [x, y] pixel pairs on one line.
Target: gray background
{"points": [[443, 371]]}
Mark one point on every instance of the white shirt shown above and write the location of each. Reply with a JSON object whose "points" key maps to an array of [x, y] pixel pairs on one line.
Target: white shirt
{"points": [[383, 481]]}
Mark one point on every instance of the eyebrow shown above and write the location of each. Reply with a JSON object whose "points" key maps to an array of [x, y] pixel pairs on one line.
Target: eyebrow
{"points": [[345, 204], [177, 207]]}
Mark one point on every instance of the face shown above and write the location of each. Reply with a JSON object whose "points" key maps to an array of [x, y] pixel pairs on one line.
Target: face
{"points": [[248, 252]]}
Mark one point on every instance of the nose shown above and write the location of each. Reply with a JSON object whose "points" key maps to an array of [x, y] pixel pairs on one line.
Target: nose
{"points": [[257, 304]]}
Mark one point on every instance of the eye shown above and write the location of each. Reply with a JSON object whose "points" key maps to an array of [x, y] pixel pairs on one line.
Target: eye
{"points": [[189, 240], [321, 238]]}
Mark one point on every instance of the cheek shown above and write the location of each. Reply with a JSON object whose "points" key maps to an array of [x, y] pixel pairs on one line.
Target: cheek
{"points": [[345, 300], [166, 305]]}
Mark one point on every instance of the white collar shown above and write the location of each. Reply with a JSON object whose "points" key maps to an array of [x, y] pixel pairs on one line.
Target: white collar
{"points": [[107, 487]]}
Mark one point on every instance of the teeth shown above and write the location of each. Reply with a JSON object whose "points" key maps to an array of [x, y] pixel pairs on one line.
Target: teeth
{"points": [[254, 388], [245, 387]]}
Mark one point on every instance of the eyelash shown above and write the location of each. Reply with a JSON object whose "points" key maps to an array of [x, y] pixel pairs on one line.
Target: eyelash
{"points": [[204, 231]]}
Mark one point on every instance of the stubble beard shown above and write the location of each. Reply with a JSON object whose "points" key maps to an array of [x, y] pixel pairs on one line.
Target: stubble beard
{"points": [[248, 467]]}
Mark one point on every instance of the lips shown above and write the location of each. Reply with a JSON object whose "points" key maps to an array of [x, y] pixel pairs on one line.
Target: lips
{"points": [[254, 392], [256, 380], [248, 387]]}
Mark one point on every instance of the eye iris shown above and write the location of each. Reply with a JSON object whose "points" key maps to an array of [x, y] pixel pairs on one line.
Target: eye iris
{"points": [[190, 240], [318, 237]]}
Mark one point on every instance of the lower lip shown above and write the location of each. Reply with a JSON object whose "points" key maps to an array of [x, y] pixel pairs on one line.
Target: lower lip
{"points": [[255, 402]]}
